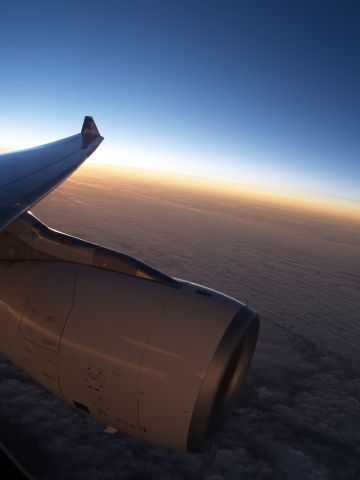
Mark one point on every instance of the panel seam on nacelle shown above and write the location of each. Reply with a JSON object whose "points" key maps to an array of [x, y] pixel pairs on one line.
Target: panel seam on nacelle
{"points": [[141, 363], [63, 329], [28, 300]]}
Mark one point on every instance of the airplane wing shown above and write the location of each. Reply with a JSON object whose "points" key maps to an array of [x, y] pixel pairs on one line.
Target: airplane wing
{"points": [[28, 175]]}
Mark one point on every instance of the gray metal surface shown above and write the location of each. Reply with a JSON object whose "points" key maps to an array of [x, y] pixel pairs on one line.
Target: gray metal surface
{"points": [[159, 358], [29, 175], [224, 377], [29, 239]]}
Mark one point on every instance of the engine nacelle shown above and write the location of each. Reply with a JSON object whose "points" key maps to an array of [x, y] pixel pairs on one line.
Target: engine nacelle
{"points": [[161, 360]]}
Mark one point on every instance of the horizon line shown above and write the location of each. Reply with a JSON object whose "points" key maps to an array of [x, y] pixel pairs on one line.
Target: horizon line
{"points": [[306, 201]]}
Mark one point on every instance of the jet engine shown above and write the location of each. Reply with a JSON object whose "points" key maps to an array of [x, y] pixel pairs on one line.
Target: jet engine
{"points": [[157, 357]]}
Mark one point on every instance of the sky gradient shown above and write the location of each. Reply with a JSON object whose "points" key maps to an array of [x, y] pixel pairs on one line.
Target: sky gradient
{"points": [[265, 93]]}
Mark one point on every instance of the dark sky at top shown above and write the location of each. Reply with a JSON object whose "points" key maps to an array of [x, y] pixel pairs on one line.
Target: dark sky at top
{"points": [[266, 91]]}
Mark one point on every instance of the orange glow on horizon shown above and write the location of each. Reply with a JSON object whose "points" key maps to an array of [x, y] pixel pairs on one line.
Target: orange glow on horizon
{"points": [[141, 169], [261, 194]]}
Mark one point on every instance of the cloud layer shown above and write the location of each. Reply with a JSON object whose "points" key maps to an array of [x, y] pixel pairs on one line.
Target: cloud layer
{"points": [[299, 414]]}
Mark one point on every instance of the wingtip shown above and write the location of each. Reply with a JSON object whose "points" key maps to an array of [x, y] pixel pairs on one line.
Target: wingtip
{"points": [[89, 128]]}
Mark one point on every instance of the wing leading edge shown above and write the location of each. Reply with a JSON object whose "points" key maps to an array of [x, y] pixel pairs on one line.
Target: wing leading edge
{"points": [[28, 175]]}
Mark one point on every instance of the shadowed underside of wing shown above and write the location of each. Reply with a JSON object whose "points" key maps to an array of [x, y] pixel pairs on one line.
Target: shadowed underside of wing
{"points": [[27, 176]]}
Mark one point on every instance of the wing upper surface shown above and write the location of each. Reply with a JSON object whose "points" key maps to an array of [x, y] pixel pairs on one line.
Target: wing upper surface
{"points": [[28, 175]]}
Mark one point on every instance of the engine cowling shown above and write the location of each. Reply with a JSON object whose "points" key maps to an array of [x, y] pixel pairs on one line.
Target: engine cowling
{"points": [[161, 362]]}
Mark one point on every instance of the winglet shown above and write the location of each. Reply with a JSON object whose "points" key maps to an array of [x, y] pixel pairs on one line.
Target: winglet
{"points": [[89, 128]]}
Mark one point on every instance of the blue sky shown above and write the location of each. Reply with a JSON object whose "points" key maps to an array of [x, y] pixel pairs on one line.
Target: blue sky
{"points": [[257, 91]]}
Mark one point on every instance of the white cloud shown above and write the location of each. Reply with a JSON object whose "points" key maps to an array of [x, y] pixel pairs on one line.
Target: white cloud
{"points": [[299, 414]]}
